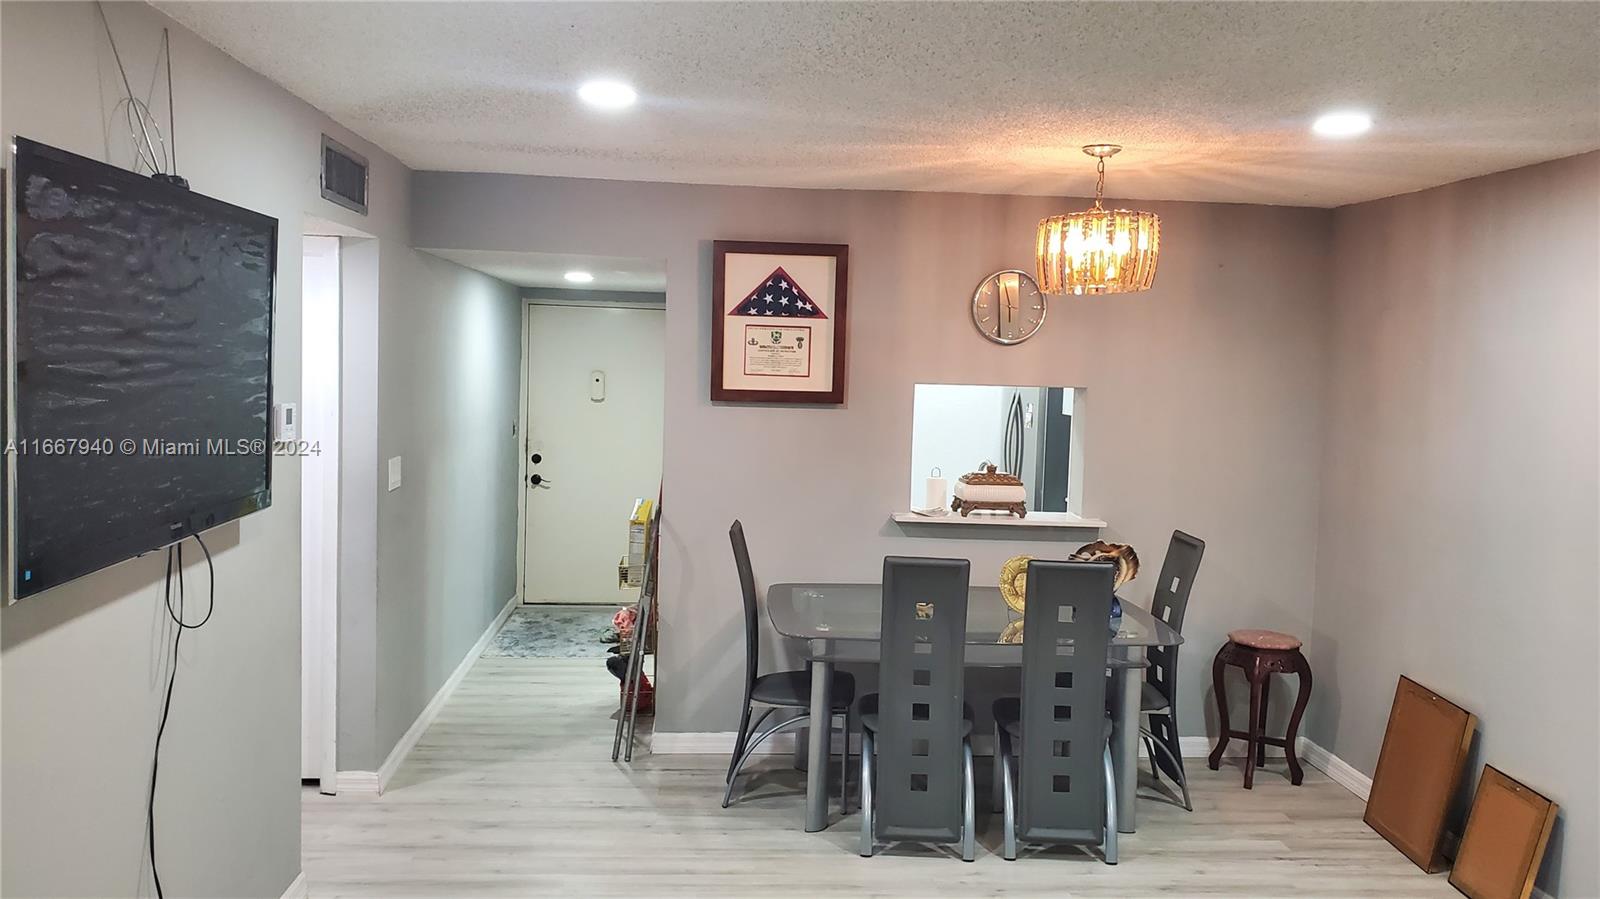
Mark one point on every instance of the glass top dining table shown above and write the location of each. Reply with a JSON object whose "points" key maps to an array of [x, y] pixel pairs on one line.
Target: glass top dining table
{"points": [[848, 616], [840, 623]]}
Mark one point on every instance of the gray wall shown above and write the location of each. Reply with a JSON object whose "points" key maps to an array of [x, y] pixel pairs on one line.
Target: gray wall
{"points": [[451, 350], [361, 264], [81, 665], [1203, 395], [1460, 508]]}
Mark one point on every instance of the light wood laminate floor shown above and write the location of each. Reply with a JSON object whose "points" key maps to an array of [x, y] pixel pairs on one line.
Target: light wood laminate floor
{"points": [[511, 792]]}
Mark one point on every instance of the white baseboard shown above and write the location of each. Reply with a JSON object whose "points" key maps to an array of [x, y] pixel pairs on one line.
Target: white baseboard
{"points": [[298, 888], [1338, 770], [1199, 747], [377, 781], [357, 782], [712, 744]]}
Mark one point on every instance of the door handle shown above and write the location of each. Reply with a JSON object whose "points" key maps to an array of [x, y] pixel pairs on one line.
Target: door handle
{"points": [[535, 480]]}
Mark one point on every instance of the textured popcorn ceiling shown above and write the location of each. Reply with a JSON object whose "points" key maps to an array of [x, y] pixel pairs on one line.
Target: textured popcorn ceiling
{"points": [[1213, 100]]}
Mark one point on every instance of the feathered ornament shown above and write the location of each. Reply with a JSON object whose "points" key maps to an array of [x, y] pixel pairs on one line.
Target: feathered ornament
{"points": [[1127, 561]]}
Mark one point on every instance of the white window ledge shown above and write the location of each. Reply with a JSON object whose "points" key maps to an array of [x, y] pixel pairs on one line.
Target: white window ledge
{"points": [[981, 519]]}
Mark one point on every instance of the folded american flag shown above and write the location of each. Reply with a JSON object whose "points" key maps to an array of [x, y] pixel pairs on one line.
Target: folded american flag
{"points": [[779, 295]]}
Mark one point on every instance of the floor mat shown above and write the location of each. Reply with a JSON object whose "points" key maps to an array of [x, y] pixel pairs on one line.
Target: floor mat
{"points": [[554, 632]]}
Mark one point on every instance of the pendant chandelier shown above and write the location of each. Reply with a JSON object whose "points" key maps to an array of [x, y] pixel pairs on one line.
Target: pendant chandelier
{"points": [[1098, 250]]}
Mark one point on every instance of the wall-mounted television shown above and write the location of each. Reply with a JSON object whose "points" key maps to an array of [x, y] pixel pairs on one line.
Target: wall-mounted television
{"points": [[138, 365]]}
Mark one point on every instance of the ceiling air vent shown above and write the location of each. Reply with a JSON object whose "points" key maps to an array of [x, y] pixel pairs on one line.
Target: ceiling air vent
{"points": [[344, 175]]}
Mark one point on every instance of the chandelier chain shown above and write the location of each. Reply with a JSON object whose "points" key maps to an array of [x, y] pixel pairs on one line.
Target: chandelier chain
{"points": [[1100, 182]]}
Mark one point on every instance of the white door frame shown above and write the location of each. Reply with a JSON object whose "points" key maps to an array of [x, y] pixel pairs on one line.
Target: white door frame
{"points": [[319, 565], [522, 439]]}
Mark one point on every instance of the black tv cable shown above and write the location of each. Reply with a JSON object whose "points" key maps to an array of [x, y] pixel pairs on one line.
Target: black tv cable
{"points": [[174, 554]]}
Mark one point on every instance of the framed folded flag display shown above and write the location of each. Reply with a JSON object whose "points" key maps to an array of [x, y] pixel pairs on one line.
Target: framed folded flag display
{"points": [[778, 322]]}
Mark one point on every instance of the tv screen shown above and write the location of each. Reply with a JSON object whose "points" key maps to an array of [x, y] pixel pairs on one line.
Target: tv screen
{"points": [[139, 365]]}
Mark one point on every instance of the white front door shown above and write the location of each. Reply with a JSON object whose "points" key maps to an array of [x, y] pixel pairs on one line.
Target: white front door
{"points": [[594, 417]]}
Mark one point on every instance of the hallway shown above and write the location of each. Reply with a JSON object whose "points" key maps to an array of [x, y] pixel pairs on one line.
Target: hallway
{"points": [[511, 793]]}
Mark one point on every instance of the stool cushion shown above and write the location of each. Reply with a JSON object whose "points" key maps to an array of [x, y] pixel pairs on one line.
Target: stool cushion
{"points": [[1262, 639]]}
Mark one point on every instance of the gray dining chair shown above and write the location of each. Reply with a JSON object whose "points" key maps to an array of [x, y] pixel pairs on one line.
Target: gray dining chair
{"points": [[1053, 749], [789, 690], [1158, 695], [916, 747]]}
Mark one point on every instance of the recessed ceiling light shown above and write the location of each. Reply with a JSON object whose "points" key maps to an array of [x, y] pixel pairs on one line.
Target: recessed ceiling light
{"points": [[1346, 123], [607, 93], [578, 277]]}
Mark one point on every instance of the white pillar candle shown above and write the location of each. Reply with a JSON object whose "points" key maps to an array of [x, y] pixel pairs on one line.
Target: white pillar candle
{"points": [[936, 492]]}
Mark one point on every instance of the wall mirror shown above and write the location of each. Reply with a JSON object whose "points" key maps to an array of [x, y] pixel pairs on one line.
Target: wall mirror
{"points": [[1034, 433]]}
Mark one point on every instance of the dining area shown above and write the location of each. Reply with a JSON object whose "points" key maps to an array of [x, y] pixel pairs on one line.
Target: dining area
{"points": [[993, 676], [1086, 680]]}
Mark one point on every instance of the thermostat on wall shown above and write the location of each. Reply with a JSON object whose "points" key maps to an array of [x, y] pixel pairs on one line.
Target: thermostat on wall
{"points": [[285, 422]]}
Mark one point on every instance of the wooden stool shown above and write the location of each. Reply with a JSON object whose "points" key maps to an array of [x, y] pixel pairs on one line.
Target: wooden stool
{"points": [[1260, 654]]}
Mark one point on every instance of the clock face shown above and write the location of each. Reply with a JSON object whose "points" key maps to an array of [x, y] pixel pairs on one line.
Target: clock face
{"points": [[1008, 307]]}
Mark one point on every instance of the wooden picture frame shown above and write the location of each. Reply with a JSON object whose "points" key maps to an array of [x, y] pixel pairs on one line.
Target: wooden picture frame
{"points": [[778, 322], [1505, 839], [1419, 772]]}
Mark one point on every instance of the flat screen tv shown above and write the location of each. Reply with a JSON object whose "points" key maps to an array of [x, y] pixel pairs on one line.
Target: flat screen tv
{"points": [[138, 365]]}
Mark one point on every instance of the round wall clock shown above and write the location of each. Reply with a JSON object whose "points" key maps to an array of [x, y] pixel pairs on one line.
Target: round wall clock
{"points": [[1008, 307]]}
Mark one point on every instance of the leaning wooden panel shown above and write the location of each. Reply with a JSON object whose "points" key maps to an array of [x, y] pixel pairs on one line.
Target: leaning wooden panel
{"points": [[1419, 770], [1505, 839]]}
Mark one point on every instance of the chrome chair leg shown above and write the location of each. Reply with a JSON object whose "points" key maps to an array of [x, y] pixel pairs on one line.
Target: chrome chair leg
{"points": [[1108, 847], [743, 740], [1008, 783], [866, 793], [1177, 762], [755, 743], [738, 741], [844, 763], [969, 835], [844, 770], [995, 799]]}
